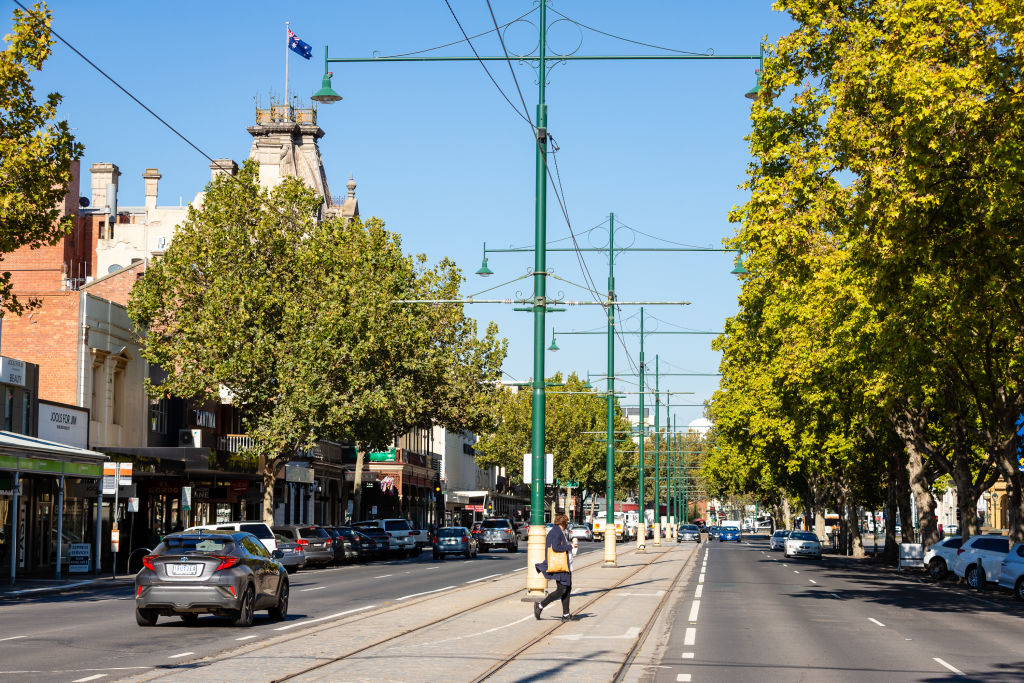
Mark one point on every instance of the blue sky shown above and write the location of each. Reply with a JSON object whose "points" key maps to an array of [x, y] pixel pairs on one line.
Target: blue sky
{"points": [[438, 153]]}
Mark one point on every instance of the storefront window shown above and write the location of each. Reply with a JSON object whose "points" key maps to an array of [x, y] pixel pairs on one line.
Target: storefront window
{"points": [[8, 399]]}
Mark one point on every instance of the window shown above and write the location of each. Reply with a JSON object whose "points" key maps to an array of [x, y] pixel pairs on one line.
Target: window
{"points": [[8, 398], [117, 397], [158, 416]]}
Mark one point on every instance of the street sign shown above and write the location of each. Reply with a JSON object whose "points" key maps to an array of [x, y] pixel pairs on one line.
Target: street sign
{"points": [[116, 474], [78, 557], [549, 469], [568, 484], [186, 497]]}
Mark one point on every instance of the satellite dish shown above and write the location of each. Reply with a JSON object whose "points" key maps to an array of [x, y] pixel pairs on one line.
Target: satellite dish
{"points": [[83, 202], [113, 268]]}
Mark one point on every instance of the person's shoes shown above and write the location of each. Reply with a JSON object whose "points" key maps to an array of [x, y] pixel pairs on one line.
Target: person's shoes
{"points": [[568, 617], [536, 610]]}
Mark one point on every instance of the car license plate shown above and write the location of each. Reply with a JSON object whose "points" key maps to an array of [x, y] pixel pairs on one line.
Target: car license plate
{"points": [[183, 569]]}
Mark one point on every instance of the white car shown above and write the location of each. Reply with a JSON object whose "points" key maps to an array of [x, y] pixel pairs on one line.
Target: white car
{"points": [[401, 539], [1011, 574], [980, 559], [941, 556], [260, 530], [778, 539], [802, 544], [580, 531]]}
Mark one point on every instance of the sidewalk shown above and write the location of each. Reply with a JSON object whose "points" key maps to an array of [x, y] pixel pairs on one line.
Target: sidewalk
{"points": [[32, 587], [465, 633]]}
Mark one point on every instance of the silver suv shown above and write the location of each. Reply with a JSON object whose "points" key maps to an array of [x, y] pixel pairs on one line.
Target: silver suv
{"points": [[401, 539], [498, 532]]}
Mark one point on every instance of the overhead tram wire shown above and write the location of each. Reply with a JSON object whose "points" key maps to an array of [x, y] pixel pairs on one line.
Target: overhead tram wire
{"points": [[464, 40], [622, 38]]}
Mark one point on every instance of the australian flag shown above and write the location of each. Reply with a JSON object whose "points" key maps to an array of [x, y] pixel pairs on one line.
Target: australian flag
{"points": [[299, 47]]}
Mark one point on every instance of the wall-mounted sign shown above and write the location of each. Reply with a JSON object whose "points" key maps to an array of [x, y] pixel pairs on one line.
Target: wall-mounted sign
{"points": [[12, 371], [64, 424], [116, 474]]}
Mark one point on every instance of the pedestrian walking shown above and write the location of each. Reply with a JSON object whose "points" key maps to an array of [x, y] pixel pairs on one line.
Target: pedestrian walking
{"points": [[557, 566]]}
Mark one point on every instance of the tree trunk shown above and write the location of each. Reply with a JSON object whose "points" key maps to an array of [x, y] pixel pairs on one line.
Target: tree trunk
{"points": [[357, 486], [787, 513], [271, 468], [920, 486], [818, 506], [892, 504], [904, 495], [856, 546]]}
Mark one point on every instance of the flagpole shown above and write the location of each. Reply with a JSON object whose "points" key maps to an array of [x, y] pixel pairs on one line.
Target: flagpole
{"points": [[287, 49]]}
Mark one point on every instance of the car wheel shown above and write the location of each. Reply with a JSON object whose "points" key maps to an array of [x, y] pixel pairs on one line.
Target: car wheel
{"points": [[1018, 590], [145, 617], [190, 618], [279, 612], [972, 576], [937, 568], [245, 612]]}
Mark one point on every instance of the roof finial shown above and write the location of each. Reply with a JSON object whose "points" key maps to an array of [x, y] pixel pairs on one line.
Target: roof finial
{"points": [[351, 185]]}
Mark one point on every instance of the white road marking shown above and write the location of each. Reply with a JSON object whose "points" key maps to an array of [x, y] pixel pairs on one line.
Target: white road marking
{"points": [[11, 638], [683, 678], [694, 608], [691, 636], [517, 570], [949, 666], [416, 595], [795, 571], [180, 654], [88, 678], [876, 621], [631, 634], [837, 597], [489, 576], [49, 588], [700, 579], [812, 580], [306, 590], [304, 622], [784, 564], [687, 655], [246, 637], [383, 576], [429, 568], [656, 594], [699, 591]]}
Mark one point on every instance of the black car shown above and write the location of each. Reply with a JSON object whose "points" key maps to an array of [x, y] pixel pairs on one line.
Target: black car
{"points": [[354, 547], [225, 573], [337, 544], [380, 539]]}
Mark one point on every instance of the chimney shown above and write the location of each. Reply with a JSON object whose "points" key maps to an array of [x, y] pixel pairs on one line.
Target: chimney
{"points": [[151, 177], [222, 166], [103, 175]]}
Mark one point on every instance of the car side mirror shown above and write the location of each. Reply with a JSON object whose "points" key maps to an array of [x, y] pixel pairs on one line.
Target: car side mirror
{"points": [[278, 554]]}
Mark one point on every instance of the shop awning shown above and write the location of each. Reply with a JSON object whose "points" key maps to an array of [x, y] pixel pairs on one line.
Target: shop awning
{"points": [[22, 453], [193, 458]]}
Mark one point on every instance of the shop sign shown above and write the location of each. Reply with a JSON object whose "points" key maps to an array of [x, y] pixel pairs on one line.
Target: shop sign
{"points": [[301, 475], [383, 456], [475, 508], [63, 424], [12, 371], [240, 486], [78, 557]]}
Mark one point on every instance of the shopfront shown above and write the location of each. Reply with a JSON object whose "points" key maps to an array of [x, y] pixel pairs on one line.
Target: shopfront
{"points": [[49, 493]]}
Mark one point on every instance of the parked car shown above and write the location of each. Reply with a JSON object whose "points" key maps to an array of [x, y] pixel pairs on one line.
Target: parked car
{"points": [[980, 559], [802, 544], [580, 531], [401, 540], [498, 532], [315, 541], [293, 556], [260, 530], [349, 544], [337, 547], [1011, 573], [688, 532], [454, 540], [778, 539], [713, 532], [523, 530], [227, 573], [729, 533], [422, 538], [371, 548], [941, 555]]}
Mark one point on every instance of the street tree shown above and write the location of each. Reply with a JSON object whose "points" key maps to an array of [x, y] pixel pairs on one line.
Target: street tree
{"points": [[306, 325], [36, 151]]}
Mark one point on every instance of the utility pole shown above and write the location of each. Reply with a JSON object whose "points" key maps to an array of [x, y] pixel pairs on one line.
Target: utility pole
{"points": [[657, 448]]}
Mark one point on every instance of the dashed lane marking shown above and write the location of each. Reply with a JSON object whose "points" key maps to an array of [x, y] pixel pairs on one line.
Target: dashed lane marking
{"points": [[11, 638], [383, 576], [683, 677], [691, 636], [180, 654], [88, 678], [306, 590], [699, 591], [812, 580], [687, 655], [694, 608], [949, 666], [304, 622], [246, 637], [875, 621], [796, 571], [836, 596]]}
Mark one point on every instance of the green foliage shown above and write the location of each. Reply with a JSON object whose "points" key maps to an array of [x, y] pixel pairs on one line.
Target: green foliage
{"points": [[35, 151], [575, 421], [299, 321]]}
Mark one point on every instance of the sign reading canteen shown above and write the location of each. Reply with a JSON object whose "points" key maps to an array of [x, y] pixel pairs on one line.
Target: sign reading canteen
{"points": [[64, 424]]}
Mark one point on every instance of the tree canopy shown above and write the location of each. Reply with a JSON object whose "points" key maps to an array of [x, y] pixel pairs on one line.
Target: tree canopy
{"points": [[304, 323], [36, 151]]}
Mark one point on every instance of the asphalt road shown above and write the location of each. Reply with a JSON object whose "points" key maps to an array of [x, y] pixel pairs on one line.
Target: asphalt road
{"points": [[91, 634], [755, 616]]}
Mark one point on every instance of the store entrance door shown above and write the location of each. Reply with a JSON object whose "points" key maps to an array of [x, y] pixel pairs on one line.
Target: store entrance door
{"points": [[43, 528]]}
